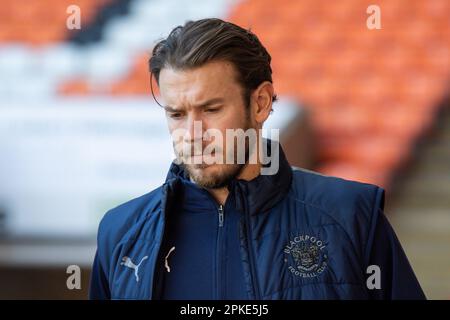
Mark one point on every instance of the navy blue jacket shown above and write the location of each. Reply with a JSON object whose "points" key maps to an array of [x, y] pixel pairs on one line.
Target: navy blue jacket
{"points": [[302, 236], [203, 244]]}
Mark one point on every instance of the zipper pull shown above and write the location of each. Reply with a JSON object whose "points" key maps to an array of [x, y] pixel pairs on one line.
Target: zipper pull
{"points": [[221, 215]]}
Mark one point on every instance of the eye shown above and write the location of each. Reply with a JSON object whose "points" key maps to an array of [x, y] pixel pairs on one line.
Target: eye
{"points": [[175, 115], [211, 110]]}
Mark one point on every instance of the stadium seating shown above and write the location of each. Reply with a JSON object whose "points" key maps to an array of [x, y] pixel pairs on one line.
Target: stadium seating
{"points": [[371, 93]]}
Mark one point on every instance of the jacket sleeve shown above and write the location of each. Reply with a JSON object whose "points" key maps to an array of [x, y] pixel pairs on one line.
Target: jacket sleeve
{"points": [[398, 280], [98, 287]]}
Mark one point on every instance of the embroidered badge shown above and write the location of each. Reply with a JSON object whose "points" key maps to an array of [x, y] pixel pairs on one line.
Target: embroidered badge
{"points": [[306, 256]]}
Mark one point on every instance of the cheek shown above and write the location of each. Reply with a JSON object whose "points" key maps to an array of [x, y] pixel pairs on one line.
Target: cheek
{"points": [[177, 128], [229, 120], [172, 124], [177, 135]]}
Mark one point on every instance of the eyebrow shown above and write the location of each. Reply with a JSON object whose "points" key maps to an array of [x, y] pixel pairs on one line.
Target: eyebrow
{"points": [[202, 105]]}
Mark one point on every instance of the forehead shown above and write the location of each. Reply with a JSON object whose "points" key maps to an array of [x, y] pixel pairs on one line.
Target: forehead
{"points": [[216, 79]]}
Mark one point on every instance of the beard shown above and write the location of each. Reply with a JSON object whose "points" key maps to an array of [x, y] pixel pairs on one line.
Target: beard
{"points": [[217, 175], [213, 178]]}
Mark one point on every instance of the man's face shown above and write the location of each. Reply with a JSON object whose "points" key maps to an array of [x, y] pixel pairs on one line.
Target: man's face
{"points": [[211, 96]]}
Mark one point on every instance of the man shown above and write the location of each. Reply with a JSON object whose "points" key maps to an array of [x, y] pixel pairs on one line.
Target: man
{"points": [[225, 230]]}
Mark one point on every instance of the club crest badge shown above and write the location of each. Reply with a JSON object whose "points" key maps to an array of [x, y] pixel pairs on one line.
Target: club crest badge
{"points": [[306, 256]]}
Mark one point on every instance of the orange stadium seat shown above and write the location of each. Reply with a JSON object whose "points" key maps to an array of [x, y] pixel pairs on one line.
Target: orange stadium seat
{"points": [[41, 22], [371, 93], [359, 84]]}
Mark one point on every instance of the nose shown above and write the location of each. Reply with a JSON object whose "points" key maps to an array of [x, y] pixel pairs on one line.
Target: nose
{"points": [[194, 130]]}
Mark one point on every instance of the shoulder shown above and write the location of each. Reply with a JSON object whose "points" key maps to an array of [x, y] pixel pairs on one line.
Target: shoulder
{"points": [[353, 205], [330, 192], [119, 220]]}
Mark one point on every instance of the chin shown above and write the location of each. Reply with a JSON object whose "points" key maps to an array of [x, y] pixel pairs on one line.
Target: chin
{"points": [[213, 176]]}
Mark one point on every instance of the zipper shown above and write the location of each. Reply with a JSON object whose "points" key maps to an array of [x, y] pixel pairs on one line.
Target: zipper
{"points": [[221, 215], [218, 263], [158, 270], [219, 250]]}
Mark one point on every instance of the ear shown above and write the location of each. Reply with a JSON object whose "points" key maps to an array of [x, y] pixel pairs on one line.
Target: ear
{"points": [[262, 101]]}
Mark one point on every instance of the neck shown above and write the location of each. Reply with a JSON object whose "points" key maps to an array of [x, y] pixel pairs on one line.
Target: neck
{"points": [[249, 172]]}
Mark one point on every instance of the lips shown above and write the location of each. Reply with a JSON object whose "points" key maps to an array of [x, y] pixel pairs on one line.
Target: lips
{"points": [[196, 154]]}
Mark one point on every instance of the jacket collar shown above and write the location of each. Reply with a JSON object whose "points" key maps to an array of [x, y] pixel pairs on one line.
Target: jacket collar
{"points": [[257, 195]]}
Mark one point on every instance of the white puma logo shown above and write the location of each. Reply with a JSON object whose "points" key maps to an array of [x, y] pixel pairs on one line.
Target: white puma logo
{"points": [[128, 263]]}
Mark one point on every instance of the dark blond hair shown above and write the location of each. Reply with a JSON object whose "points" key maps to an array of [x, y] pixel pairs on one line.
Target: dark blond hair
{"points": [[202, 41]]}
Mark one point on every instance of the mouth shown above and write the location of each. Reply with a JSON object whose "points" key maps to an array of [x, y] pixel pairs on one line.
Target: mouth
{"points": [[200, 159], [195, 160]]}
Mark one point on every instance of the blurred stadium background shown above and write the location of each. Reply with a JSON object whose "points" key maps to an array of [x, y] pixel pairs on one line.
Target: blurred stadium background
{"points": [[79, 132]]}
